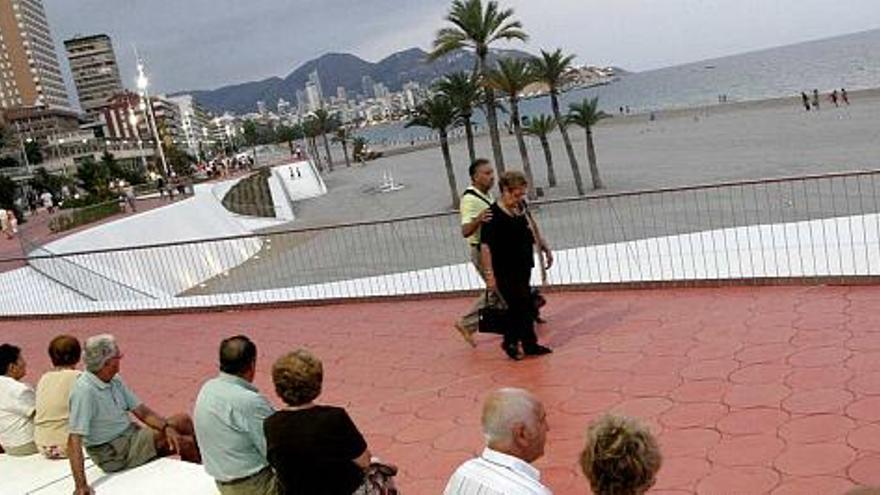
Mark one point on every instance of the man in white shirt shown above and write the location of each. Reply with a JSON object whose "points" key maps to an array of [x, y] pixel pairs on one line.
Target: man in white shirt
{"points": [[515, 426], [17, 404]]}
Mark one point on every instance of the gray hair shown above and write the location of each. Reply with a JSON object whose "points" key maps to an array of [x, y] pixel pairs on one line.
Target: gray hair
{"points": [[98, 350], [505, 408]]}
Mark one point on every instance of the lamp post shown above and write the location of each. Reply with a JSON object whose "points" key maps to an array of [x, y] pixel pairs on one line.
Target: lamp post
{"points": [[142, 83]]}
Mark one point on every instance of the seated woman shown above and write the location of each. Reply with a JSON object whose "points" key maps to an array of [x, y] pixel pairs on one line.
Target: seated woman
{"points": [[621, 457], [16, 404], [313, 448], [53, 393]]}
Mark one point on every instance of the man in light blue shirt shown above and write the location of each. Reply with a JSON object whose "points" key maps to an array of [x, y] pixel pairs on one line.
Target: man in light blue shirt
{"points": [[229, 414]]}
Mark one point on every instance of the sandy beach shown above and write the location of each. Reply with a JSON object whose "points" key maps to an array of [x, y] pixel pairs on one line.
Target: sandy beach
{"points": [[754, 140]]}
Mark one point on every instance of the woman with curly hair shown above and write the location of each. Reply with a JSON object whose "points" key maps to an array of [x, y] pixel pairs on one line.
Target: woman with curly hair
{"points": [[621, 457]]}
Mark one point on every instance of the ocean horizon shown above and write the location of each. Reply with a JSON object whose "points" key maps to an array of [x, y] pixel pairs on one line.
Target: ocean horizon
{"points": [[850, 61]]}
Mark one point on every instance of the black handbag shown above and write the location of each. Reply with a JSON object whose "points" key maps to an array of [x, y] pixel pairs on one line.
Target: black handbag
{"points": [[492, 319]]}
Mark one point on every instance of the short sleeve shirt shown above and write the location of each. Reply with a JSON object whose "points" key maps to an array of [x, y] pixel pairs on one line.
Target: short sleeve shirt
{"points": [[99, 411], [53, 407], [17, 405], [471, 206], [313, 450]]}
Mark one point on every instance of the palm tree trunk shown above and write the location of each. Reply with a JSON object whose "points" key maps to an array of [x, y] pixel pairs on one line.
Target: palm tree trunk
{"points": [[548, 157], [523, 151], [345, 152], [591, 156], [313, 150], [491, 118], [327, 149], [469, 133], [575, 169], [450, 174]]}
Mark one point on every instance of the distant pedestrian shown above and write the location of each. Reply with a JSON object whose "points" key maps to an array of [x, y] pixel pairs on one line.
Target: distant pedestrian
{"points": [[48, 203], [621, 110], [844, 96], [806, 100], [833, 97], [816, 100], [627, 109], [160, 186]]}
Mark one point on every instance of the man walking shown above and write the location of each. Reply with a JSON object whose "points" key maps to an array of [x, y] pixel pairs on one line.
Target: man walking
{"points": [[228, 417], [475, 202]]}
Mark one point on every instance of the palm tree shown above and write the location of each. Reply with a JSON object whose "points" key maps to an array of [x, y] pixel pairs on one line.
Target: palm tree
{"points": [[511, 77], [311, 129], [550, 69], [476, 28], [587, 114], [325, 124], [464, 91], [540, 127], [439, 114], [342, 137]]}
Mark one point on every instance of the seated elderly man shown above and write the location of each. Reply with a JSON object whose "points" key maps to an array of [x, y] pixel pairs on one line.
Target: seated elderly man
{"points": [[515, 426], [229, 416], [100, 404], [17, 404], [621, 457]]}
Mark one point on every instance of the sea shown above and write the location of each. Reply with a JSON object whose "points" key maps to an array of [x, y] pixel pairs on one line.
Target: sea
{"points": [[850, 61]]}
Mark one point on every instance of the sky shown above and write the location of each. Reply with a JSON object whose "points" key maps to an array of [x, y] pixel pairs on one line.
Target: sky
{"points": [[205, 44]]}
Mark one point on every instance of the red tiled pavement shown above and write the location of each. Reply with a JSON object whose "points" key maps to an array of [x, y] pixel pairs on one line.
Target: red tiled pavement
{"points": [[749, 390]]}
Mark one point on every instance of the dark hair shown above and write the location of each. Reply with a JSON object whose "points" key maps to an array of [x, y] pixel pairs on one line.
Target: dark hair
{"points": [[479, 162], [237, 354], [64, 350], [9, 354]]}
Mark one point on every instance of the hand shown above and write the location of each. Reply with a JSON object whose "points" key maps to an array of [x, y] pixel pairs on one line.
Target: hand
{"points": [[548, 257], [485, 216], [490, 282], [173, 439]]}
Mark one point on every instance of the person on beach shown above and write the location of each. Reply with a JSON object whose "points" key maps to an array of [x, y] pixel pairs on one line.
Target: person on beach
{"points": [[506, 248], [816, 100], [844, 96], [833, 98], [475, 212], [806, 100], [53, 394]]}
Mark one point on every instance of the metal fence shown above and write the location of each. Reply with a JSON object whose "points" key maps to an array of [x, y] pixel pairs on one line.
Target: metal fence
{"points": [[807, 228]]}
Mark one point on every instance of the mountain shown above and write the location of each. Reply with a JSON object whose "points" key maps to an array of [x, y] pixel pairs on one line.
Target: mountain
{"points": [[342, 69]]}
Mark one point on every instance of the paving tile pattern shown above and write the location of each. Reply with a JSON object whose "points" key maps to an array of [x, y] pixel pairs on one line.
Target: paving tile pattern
{"points": [[749, 390]]}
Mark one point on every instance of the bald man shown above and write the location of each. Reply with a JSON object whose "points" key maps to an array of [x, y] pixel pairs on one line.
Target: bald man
{"points": [[515, 427]]}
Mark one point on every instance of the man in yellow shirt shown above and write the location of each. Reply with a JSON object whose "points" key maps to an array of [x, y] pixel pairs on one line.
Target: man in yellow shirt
{"points": [[475, 212]]}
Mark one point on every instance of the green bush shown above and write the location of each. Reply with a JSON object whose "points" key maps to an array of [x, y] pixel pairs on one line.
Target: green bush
{"points": [[83, 216]]}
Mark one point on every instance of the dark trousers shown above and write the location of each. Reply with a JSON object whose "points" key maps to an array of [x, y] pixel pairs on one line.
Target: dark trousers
{"points": [[515, 290]]}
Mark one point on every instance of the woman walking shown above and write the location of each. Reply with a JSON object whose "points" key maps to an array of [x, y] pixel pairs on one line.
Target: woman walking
{"points": [[507, 258]]}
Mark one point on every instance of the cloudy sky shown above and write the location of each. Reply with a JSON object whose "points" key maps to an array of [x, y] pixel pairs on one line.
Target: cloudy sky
{"points": [[204, 44]]}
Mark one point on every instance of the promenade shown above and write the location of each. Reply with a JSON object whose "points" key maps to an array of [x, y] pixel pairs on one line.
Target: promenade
{"points": [[750, 390]]}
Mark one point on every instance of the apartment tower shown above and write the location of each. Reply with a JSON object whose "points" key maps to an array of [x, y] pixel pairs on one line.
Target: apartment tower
{"points": [[29, 71], [95, 72]]}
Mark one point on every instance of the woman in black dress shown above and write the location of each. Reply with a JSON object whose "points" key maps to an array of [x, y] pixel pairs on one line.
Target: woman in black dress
{"points": [[508, 256]]}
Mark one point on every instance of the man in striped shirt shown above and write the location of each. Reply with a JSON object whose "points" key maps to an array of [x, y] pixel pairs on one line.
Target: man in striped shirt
{"points": [[515, 426]]}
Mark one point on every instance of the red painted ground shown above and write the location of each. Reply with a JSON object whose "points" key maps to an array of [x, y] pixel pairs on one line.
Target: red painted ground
{"points": [[750, 390]]}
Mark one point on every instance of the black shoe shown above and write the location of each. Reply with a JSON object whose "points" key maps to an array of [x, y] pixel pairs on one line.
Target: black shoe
{"points": [[538, 350], [512, 351]]}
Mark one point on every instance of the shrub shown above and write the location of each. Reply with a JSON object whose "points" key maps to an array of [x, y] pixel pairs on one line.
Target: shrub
{"points": [[83, 216]]}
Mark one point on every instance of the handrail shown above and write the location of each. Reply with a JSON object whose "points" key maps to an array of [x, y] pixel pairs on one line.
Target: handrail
{"points": [[423, 216]]}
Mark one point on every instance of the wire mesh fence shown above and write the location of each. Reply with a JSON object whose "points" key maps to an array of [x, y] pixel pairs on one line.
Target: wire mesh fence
{"points": [[806, 227]]}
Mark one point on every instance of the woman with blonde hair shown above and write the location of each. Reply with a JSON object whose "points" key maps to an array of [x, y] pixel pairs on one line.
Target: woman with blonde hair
{"points": [[621, 457]]}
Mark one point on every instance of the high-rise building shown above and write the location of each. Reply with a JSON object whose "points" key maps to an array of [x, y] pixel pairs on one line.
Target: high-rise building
{"points": [[313, 96], [316, 81], [196, 123], [283, 106], [367, 86], [379, 90], [301, 102], [29, 71], [95, 71], [341, 94], [261, 107]]}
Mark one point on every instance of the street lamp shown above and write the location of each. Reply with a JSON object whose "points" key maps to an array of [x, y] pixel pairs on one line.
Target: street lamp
{"points": [[142, 83]]}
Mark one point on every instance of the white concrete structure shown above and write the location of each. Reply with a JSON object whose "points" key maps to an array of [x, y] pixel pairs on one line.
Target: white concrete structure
{"points": [[833, 246]]}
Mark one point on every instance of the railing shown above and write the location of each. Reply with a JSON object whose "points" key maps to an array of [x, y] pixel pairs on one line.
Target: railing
{"points": [[809, 228]]}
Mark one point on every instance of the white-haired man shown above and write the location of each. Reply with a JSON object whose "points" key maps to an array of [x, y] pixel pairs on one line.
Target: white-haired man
{"points": [[100, 404], [515, 426]]}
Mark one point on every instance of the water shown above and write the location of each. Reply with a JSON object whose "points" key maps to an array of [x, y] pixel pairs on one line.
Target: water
{"points": [[851, 62]]}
